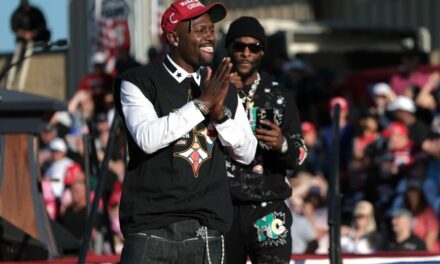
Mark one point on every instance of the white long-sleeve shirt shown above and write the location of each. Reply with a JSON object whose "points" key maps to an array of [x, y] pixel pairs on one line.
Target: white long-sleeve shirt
{"points": [[152, 133]]}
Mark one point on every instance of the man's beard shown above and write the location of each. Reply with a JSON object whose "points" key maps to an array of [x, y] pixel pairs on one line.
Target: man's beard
{"points": [[246, 75]]}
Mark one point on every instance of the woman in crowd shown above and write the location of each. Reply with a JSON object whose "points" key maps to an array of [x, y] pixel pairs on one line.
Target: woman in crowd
{"points": [[425, 223], [361, 237]]}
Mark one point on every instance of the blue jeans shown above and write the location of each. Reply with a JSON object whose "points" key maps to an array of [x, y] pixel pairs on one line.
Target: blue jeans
{"points": [[181, 242]]}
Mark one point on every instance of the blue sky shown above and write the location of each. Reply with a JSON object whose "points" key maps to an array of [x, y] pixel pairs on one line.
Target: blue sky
{"points": [[55, 11]]}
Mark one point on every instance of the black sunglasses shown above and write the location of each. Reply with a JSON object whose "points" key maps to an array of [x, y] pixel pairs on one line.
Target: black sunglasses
{"points": [[253, 47]]}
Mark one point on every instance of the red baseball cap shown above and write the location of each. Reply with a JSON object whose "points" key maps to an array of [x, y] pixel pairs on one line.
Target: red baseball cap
{"points": [[395, 127], [307, 127], [73, 173], [339, 100], [186, 9]]}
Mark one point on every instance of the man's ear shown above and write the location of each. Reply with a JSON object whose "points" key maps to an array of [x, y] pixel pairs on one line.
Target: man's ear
{"points": [[172, 38]]}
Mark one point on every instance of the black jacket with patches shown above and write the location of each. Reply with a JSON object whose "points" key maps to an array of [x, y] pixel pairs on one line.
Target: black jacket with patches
{"points": [[264, 178], [162, 188]]}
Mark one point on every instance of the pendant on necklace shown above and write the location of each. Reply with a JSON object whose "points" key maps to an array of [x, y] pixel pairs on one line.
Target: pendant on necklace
{"points": [[249, 104]]}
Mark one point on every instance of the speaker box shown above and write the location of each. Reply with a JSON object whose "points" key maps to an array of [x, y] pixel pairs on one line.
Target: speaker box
{"points": [[16, 245]]}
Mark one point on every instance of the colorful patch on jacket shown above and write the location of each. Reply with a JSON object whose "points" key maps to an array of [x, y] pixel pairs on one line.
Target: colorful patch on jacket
{"points": [[200, 149]]}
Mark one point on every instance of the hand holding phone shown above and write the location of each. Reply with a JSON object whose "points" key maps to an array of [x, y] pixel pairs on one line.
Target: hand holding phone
{"points": [[264, 114], [268, 132]]}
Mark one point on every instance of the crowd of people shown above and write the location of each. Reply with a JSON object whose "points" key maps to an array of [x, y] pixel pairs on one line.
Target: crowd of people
{"points": [[388, 167], [71, 150], [389, 151]]}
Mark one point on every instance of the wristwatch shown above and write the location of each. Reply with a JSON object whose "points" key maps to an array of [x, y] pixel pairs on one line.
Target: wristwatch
{"points": [[226, 115]]}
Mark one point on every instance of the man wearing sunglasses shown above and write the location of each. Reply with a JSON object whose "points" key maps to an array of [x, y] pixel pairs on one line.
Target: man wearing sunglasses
{"points": [[262, 220], [180, 120]]}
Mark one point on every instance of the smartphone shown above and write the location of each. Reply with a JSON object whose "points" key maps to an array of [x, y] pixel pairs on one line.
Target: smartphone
{"points": [[264, 113]]}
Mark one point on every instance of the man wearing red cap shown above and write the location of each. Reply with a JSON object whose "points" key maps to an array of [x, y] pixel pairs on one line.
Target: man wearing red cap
{"points": [[400, 147], [346, 137], [180, 119]]}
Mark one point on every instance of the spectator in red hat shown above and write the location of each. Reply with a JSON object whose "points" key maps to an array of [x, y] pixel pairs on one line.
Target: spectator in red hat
{"points": [[346, 136], [399, 146], [74, 173], [389, 160], [175, 204], [367, 134], [314, 164], [343, 104]]}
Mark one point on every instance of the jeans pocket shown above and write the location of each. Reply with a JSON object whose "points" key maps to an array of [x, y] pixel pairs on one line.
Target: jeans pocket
{"points": [[147, 249], [196, 251], [134, 249]]}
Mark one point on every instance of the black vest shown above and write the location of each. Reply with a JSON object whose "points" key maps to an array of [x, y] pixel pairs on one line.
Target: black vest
{"points": [[186, 179]]}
